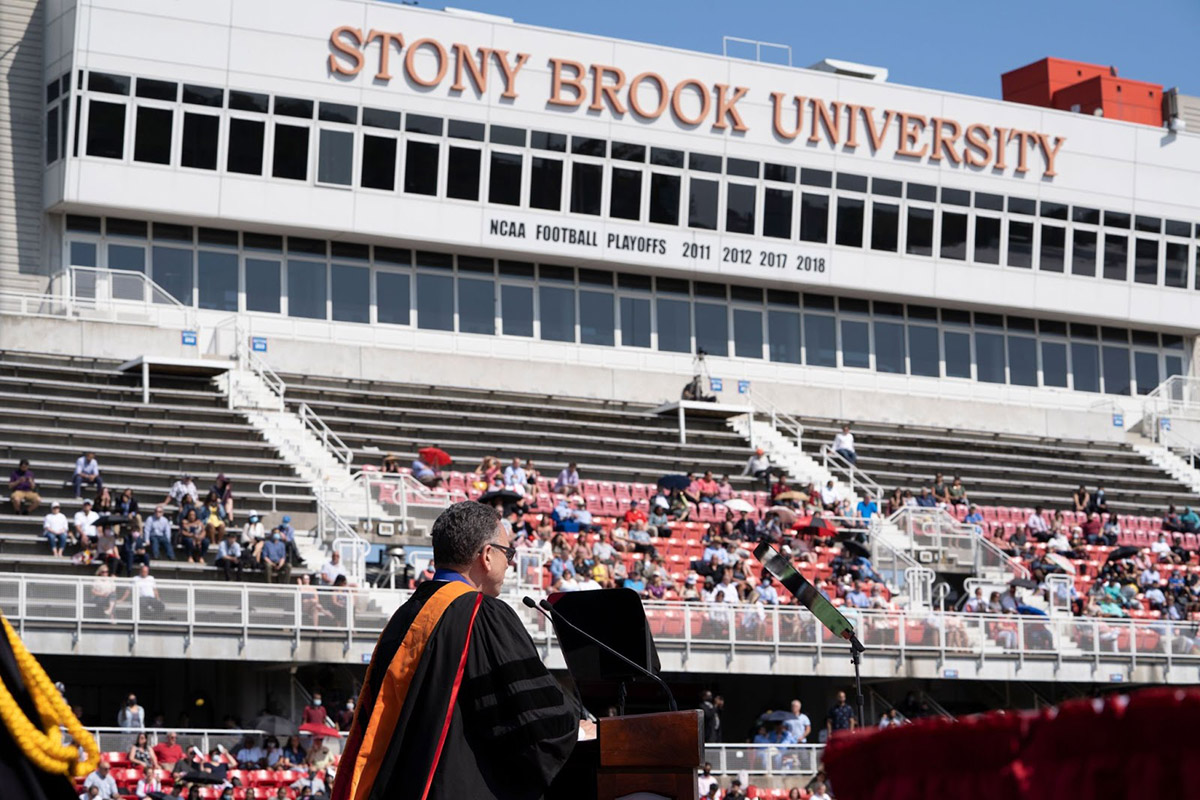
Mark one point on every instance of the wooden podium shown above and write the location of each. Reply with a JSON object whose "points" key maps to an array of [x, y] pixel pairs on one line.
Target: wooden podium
{"points": [[651, 754]]}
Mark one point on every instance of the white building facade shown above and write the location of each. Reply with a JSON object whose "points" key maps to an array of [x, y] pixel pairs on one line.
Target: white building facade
{"points": [[452, 196]]}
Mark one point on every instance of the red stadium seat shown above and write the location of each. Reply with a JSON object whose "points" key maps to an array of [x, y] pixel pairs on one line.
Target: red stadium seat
{"points": [[706, 512], [591, 487], [719, 512], [622, 493]]}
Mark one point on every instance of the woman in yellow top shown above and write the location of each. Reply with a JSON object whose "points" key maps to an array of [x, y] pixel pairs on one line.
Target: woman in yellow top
{"points": [[212, 514]]}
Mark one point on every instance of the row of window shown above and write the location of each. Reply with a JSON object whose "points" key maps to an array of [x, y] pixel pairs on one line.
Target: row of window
{"points": [[375, 149], [315, 279]]}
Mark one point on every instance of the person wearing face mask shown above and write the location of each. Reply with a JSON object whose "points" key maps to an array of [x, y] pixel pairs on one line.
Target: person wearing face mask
{"points": [[131, 716], [346, 716], [314, 712], [275, 560]]}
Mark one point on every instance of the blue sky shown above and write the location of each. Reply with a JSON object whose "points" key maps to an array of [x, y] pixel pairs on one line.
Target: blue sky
{"points": [[952, 45]]}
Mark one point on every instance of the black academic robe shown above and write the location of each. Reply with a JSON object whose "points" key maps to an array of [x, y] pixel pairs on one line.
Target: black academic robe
{"points": [[508, 731]]}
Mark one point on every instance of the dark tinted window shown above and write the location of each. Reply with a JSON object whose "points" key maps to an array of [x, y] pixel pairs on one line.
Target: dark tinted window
{"points": [[462, 173], [203, 95], [886, 187], [922, 191], [885, 226], [954, 235], [920, 231], [853, 183], [337, 112], [635, 321], [992, 202], [739, 208], [820, 340], [628, 152], [625, 194], [814, 217], [152, 136], [157, 90], [420, 167], [291, 152], [200, 133], [1116, 257], [583, 146], [335, 158], [1089, 215], [52, 134], [956, 197], [779, 172], [1053, 248], [1020, 243], [586, 183], [1021, 205], [1176, 265], [392, 297], [704, 163], [294, 107], [105, 82], [1083, 252], [419, 123], [1145, 261], [502, 134], [849, 222], [545, 183], [378, 118], [664, 198], [106, 129], [777, 213], [504, 180], [461, 129], [541, 140], [245, 146], [379, 164], [816, 177], [666, 158], [702, 203], [249, 101]]}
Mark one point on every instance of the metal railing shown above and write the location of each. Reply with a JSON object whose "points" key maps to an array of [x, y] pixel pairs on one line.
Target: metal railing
{"points": [[331, 441], [781, 421], [263, 370], [933, 529], [395, 493], [837, 464], [80, 607], [110, 295], [1177, 396], [764, 759], [120, 740]]}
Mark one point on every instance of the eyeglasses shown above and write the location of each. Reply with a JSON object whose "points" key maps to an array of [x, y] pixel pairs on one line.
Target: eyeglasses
{"points": [[510, 553]]}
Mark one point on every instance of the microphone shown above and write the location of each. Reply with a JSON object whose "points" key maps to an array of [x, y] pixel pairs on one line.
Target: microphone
{"points": [[527, 600], [557, 617]]}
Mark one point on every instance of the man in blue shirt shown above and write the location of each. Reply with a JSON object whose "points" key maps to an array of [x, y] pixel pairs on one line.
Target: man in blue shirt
{"points": [[926, 500], [158, 528], [275, 560], [974, 518], [857, 597], [866, 509], [288, 533]]}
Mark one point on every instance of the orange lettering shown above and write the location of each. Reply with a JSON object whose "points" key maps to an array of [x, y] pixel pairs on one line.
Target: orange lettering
{"points": [[852, 124], [1044, 141], [343, 47], [777, 105], [977, 137], [908, 136], [510, 72], [479, 72], [821, 115], [558, 81], [410, 65], [677, 103], [1023, 138], [876, 135], [600, 91], [942, 142], [385, 51], [664, 95], [727, 107], [1001, 144]]}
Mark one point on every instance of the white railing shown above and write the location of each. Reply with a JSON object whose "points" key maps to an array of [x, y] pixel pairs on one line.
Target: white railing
{"points": [[1177, 396], [110, 295], [1179, 444], [764, 759], [331, 441], [120, 740], [781, 421], [395, 493], [837, 464], [36, 604], [934, 529], [263, 370]]}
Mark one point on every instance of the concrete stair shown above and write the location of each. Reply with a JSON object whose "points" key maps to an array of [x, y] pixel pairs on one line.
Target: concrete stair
{"points": [[1170, 463]]}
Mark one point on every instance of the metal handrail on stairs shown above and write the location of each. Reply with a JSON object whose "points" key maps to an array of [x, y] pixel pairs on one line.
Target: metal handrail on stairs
{"points": [[781, 421], [837, 464], [332, 442]]}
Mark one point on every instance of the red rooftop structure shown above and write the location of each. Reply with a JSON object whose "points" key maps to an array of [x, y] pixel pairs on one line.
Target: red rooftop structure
{"points": [[1084, 88]]}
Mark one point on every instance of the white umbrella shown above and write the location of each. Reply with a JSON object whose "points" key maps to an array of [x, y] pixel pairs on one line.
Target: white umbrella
{"points": [[738, 505]]}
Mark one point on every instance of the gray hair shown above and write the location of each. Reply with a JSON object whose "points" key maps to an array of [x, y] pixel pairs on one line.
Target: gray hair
{"points": [[461, 531]]}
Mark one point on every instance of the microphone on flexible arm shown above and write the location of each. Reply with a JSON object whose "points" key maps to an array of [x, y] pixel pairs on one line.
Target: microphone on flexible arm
{"points": [[527, 600], [555, 617]]}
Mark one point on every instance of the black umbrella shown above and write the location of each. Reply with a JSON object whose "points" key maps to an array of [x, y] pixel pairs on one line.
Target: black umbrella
{"points": [[214, 778], [108, 520], [778, 716], [674, 482], [1122, 553], [1023, 583], [507, 496], [853, 548]]}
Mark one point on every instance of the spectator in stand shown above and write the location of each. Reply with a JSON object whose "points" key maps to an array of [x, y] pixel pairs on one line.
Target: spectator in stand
{"points": [[798, 723], [779, 487], [140, 753], [1149, 577], [131, 717], [758, 466], [275, 560], [840, 716], [956, 493], [866, 510], [145, 587], [135, 550], [568, 480], [254, 531], [582, 516], [319, 756], [1190, 520], [127, 506], [710, 490], [345, 716], [250, 755], [1036, 526], [1160, 549], [532, 477], [229, 557], [183, 495], [1172, 522], [1099, 501], [289, 538], [85, 524], [639, 539], [212, 514], [926, 500], [1081, 499], [658, 521], [940, 491], [54, 528], [194, 537], [1091, 528], [158, 531], [515, 477], [310, 784], [843, 444], [724, 489], [87, 470], [635, 514], [332, 568], [22, 489], [711, 706], [820, 792], [168, 752], [293, 753], [829, 496], [105, 784], [1008, 601], [735, 791], [425, 474], [745, 528], [223, 489], [707, 781]]}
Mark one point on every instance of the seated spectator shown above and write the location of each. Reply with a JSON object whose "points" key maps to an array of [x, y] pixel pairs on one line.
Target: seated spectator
{"points": [[253, 532], [532, 477], [293, 754], [183, 495], [858, 598], [424, 473], [22, 487], [940, 491], [1149, 577], [1036, 526], [212, 514], [956, 493], [135, 550], [745, 528], [515, 478], [724, 489], [1092, 528], [976, 604], [1008, 601], [658, 519], [1080, 499], [843, 444], [1059, 543], [146, 588], [229, 557], [127, 506], [332, 569], [105, 784], [1098, 504], [87, 470], [758, 466], [85, 524], [635, 514], [158, 531], [275, 560], [1160, 549], [1190, 520], [709, 489], [250, 755], [194, 537], [639, 538], [310, 781], [1155, 597], [289, 538], [568, 480], [223, 489], [779, 487], [866, 509], [319, 756], [141, 754], [390, 465], [168, 752], [926, 500], [829, 496], [681, 505], [54, 528]]}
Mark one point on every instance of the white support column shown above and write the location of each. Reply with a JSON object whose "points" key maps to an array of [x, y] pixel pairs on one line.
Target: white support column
{"points": [[145, 382]]}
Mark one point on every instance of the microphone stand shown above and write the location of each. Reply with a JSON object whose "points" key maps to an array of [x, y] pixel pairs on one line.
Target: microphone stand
{"points": [[856, 651]]}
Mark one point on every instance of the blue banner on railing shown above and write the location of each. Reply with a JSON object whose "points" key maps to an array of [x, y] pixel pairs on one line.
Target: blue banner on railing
{"points": [[743, 387], [258, 344], [188, 338], [714, 385], [1118, 420]]}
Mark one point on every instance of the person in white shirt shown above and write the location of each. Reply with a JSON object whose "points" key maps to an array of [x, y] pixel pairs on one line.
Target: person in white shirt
{"points": [[1036, 525], [1059, 543], [514, 477], [250, 755], [819, 793], [85, 524], [146, 589], [707, 780], [105, 784], [843, 445], [183, 492], [799, 724], [253, 531], [758, 466], [332, 568], [587, 583], [829, 496], [87, 470], [1160, 548], [55, 528]]}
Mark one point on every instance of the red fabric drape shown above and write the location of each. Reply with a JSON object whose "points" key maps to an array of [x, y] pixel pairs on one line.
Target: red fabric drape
{"points": [[1119, 749]]}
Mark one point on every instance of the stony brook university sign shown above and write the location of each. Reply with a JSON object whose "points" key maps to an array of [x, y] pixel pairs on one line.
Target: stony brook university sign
{"points": [[694, 103]]}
